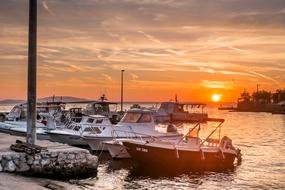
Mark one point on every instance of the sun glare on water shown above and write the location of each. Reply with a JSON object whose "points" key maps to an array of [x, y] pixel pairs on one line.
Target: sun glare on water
{"points": [[216, 97]]}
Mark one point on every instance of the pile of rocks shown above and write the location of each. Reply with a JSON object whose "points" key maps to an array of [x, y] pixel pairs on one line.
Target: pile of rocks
{"points": [[67, 163]]}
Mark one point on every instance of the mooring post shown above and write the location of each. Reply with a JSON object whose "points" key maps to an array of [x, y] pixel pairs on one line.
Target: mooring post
{"points": [[32, 73], [122, 89]]}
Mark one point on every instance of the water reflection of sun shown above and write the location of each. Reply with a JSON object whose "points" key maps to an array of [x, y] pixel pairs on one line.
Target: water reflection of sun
{"points": [[216, 97]]}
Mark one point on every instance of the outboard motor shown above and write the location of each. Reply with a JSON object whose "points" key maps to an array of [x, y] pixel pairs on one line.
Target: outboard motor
{"points": [[227, 143], [171, 128]]}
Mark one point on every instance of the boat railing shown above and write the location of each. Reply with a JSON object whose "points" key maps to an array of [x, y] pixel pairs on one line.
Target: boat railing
{"points": [[189, 132], [131, 134], [68, 123], [211, 141]]}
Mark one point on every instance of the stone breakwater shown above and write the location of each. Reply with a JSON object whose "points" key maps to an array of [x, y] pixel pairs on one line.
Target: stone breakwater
{"points": [[63, 163], [58, 160]]}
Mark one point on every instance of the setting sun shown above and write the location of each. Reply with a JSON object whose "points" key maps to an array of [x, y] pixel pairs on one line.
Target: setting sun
{"points": [[216, 97]]}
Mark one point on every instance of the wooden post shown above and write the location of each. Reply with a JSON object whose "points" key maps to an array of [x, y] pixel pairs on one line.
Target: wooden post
{"points": [[122, 89], [32, 73]]}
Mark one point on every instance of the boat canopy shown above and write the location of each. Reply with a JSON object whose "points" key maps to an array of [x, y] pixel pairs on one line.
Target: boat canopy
{"points": [[137, 116], [176, 107], [99, 107]]}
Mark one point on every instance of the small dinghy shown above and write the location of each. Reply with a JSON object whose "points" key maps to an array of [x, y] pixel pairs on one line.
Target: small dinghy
{"points": [[189, 154]]}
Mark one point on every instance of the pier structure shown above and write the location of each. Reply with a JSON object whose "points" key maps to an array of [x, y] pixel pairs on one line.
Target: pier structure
{"points": [[58, 159]]}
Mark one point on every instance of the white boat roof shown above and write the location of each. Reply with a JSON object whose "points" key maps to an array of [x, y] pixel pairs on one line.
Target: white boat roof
{"points": [[139, 110], [96, 116]]}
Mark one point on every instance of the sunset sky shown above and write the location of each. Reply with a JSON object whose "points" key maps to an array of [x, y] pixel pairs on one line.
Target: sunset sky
{"points": [[192, 48]]}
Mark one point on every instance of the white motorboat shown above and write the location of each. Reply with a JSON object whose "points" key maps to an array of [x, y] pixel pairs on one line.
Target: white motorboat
{"points": [[15, 122], [136, 123], [71, 134]]}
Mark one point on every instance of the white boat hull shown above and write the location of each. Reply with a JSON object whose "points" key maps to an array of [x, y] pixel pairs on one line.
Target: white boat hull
{"points": [[96, 144], [73, 140], [117, 149], [40, 135]]}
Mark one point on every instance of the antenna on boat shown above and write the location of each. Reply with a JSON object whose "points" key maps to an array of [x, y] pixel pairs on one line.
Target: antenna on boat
{"points": [[103, 98], [32, 73], [122, 89], [176, 99]]}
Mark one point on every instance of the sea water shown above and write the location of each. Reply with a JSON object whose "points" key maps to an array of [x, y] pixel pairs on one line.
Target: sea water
{"points": [[260, 136]]}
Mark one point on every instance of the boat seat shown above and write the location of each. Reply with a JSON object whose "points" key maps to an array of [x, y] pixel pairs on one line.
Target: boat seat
{"points": [[213, 142], [193, 140]]}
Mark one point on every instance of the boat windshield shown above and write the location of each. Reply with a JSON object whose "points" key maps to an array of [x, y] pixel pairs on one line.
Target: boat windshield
{"points": [[137, 118], [15, 109]]}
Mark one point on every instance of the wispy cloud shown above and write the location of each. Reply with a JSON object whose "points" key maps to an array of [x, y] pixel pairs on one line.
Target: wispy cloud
{"points": [[106, 76], [239, 50], [176, 52], [217, 84], [150, 37], [266, 77], [134, 76], [45, 6]]}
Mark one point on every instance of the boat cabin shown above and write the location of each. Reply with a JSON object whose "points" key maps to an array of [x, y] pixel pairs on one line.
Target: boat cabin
{"points": [[89, 123], [175, 107], [95, 119], [175, 111], [137, 116]]}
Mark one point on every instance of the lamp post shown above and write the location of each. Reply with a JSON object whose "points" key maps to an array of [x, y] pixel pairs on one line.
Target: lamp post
{"points": [[32, 73], [122, 89]]}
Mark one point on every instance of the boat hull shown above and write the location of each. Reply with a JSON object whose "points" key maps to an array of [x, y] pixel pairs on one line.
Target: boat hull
{"points": [[117, 150], [96, 143], [179, 160], [73, 140], [190, 117], [182, 117], [40, 136], [5, 130]]}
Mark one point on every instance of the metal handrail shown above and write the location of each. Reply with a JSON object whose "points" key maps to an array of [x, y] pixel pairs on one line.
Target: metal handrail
{"points": [[136, 133], [198, 124], [221, 122]]}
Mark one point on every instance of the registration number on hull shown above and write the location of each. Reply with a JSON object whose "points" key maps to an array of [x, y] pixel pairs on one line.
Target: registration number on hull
{"points": [[141, 149]]}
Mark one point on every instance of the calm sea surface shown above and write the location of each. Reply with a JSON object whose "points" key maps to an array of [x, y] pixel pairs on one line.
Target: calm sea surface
{"points": [[260, 136]]}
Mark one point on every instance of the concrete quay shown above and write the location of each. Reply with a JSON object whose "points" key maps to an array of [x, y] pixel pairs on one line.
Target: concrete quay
{"points": [[58, 160]]}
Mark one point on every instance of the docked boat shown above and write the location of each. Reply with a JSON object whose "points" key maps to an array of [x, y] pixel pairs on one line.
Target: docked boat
{"points": [[136, 123], [181, 112], [189, 154], [16, 118], [71, 134], [221, 107], [103, 107]]}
